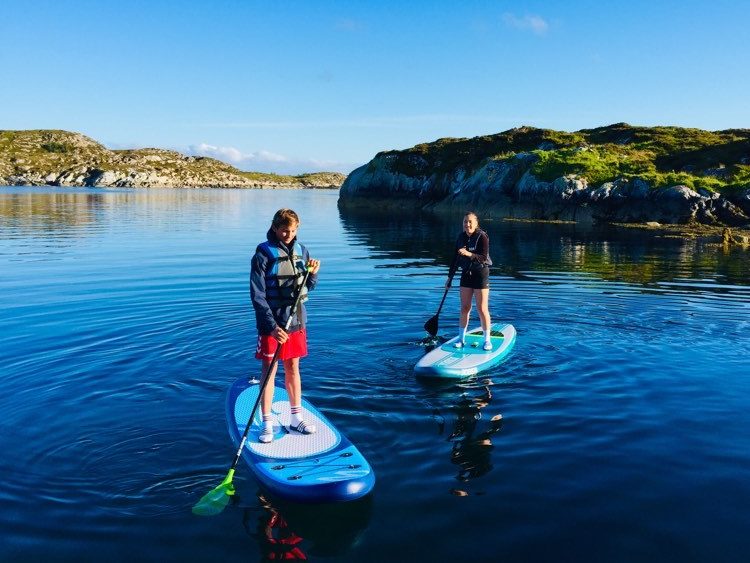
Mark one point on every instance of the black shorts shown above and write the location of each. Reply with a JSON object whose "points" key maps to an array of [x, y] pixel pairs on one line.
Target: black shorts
{"points": [[476, 278]]}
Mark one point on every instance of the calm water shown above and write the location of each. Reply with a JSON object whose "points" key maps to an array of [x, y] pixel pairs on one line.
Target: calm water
{"points": [[125, 317]]}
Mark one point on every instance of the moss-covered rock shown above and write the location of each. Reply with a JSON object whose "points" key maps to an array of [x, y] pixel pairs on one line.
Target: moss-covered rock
{"points": [[62, 158], [615, 173]]}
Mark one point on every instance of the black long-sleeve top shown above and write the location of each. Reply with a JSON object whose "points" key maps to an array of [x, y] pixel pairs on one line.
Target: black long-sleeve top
{"points": [[479, 246]]}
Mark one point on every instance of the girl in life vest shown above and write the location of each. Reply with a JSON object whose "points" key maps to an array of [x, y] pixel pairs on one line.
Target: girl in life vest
{"points": [[473, 257], [276, 274]]}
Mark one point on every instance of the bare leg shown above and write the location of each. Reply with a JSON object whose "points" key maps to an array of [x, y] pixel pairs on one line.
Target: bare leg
{"points": [[463, 319], [267, 399], [292, 381], [482, 297]]}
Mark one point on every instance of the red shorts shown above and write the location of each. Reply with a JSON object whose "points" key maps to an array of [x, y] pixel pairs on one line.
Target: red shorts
{"points": [[294, 347]]}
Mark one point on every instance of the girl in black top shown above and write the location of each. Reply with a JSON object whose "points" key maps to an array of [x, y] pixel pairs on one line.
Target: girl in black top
{"points": [[473, 257]]}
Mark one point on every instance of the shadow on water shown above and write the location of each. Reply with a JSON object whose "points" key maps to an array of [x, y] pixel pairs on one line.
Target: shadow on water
{"points": [[611, 253], [290, 531]]}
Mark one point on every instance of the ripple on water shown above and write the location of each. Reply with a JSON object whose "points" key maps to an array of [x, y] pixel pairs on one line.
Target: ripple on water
{"points": [[624, 402]]}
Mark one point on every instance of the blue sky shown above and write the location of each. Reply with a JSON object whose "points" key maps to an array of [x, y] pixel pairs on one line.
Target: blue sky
{"points": [[298, 86]]}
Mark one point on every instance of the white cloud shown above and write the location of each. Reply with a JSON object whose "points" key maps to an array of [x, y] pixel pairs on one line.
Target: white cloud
{"points": [[535, 24], [267, 161], [229, 154]]}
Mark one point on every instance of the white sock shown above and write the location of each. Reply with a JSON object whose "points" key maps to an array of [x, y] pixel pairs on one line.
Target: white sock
{"points": [[266, 435], [487, 342], [296, 414], [268, 422], [296, 421], [462, 334]]}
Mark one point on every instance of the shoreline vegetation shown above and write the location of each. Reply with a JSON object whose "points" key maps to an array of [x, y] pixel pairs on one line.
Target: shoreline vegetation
{"points": [[47, 157], [613, 174], [671, 181]]}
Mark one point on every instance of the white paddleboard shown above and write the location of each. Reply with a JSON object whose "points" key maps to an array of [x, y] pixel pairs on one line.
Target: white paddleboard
{"points": [[447, 361]]}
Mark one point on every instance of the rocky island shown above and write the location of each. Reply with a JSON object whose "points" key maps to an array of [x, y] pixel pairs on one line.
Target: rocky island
{"points": [[63, 158], [614, 174]]}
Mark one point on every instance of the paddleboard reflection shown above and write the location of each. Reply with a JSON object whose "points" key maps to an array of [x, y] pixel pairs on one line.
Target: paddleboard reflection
{"points": [[290, 531]]}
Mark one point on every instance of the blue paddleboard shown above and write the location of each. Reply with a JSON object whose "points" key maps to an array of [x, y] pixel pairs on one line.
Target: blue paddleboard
{"points": [[448, 362], [320, 467]]}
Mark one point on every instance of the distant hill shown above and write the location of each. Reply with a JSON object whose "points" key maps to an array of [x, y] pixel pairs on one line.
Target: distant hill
{"points": [[62, 158], [614, 173]]}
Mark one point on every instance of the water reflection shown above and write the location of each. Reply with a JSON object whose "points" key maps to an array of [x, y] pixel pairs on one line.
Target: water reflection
{"points": [[35, 211], [614, 254], [470, 435], [290, 531], [276, 540], [139, 332]]}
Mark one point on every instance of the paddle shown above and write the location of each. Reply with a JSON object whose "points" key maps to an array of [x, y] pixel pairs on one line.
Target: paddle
{"points": [[431, 326], [214, 501]]}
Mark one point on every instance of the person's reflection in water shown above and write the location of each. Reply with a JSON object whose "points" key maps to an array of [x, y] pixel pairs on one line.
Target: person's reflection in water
{"points": [[288, 531], [472, 451], [276, 540]]}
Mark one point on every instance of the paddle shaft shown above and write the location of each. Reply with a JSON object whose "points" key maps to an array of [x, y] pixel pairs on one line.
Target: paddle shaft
{"points": [[445, 293], [431, 325], [451, 272], [274, 359]]}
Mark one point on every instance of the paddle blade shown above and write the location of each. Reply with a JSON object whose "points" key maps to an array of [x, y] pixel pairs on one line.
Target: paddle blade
{"points": [[431, 326], [214, 501]]}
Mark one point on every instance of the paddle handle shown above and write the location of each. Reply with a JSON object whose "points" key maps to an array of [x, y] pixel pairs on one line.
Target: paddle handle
{"points": [[267, 376]]}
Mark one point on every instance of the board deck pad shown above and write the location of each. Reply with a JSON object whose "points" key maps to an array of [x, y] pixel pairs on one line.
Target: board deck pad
{"points": [[286, 444], [448, 362], [320, 467], [474, 344]]}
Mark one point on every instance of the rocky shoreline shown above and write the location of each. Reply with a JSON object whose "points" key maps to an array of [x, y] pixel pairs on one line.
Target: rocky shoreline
{"points": [[509, 189], [454, 175], [62, 158]]}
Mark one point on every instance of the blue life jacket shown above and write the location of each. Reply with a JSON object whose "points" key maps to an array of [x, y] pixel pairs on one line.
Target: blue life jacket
{"points": [[284, 274]]}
